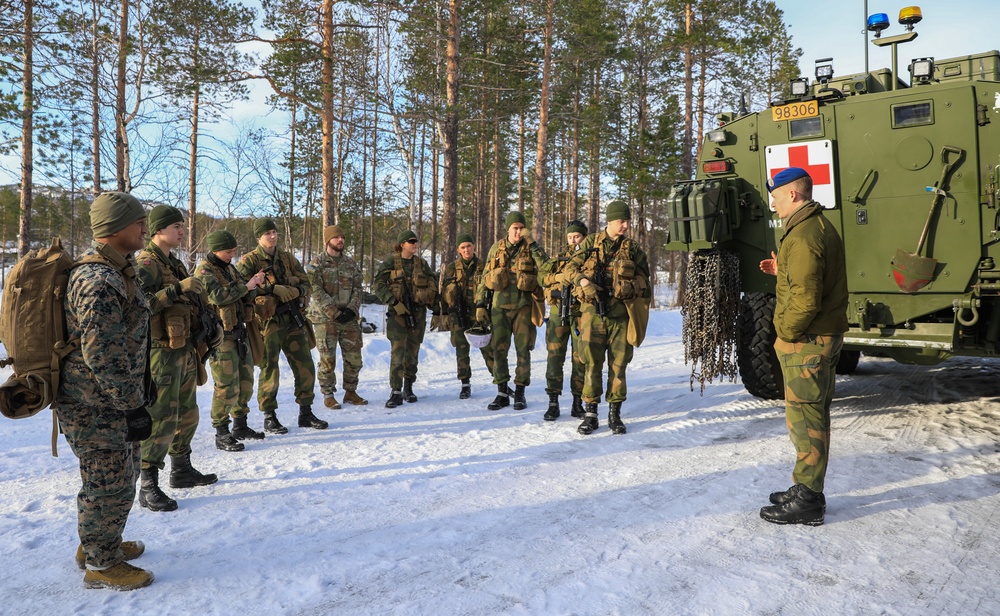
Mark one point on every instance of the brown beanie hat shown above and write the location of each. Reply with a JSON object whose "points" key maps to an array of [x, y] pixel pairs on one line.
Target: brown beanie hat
{"points": [[331, 232], [113, 211]]}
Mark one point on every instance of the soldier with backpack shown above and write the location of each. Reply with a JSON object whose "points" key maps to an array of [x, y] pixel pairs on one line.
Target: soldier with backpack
{"points": [[102, 399], [176, 301]]}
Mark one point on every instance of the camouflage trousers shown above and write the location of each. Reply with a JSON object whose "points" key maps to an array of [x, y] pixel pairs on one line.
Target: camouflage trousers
{"points": [[109, 468], [405, 346], [517, 323], [348, 336], [809, 370], [281, 336], [462, 354], [602, 337], [557, 336], [232, 378], [175, 411]]}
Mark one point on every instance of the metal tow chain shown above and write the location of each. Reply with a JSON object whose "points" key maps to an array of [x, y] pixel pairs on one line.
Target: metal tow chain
{"points": [[711, 303]]}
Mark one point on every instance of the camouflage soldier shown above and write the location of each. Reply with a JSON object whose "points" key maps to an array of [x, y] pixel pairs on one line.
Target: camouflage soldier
{"points": [[334, 311], [102, 394], [280, 312], [232, 366], [810, 318], [459, 281], [406, 283], [511, 273], [175, 303], [561, 329], [612, 274]]}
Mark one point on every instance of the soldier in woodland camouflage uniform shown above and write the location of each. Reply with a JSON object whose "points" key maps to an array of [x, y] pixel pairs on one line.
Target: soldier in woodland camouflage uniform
{"points": [[232, 366], [557, 333], [175, 301], [511, 272], [459, 281], [335, 311], [102, 393], [610, 270], [280, 313], [810, 319], [406, 283]]}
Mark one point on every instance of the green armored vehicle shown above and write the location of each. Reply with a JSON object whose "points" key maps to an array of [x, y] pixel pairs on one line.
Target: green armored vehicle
{"points": [[910, 173]]}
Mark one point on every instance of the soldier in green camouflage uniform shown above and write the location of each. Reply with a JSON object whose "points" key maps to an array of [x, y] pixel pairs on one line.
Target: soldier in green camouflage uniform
{"points": [[175, 302], [511, 273], [609, 270], [459, 282], [102, 395], [810, 318], [406, 284], [559, 334], [335, 313], [232, 366], [280, 313]]}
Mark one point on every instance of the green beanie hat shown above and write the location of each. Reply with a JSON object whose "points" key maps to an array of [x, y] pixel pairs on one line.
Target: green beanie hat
{"points": [[220, 240], [618, 210], [576, 226], [262, 226], [113, 211], [514, 217], [463, 238], [163, 216], [405, 235]]}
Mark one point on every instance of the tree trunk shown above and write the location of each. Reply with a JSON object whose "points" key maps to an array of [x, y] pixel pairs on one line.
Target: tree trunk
{"points": [[192, 241], [538, 200], [450, 195], [27, 127], [326, 114], [95, 100], [595, 160], [121, 139]]}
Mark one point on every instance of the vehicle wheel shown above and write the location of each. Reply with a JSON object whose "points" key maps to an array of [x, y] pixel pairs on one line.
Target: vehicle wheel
{"points": [[755, 355], [848, 362]]}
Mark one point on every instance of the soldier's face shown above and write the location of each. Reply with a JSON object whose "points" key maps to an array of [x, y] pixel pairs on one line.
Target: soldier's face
{"points": [[574, 239], [410, 248], [617, 228], [514, 233], [466, 249], [133, 237], [784, 201], [172, 235], [335, 245], [269, 240], [226, 255]]}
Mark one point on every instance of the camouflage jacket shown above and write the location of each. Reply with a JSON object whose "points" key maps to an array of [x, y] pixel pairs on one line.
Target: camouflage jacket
{"points": [[386, 286], [159, 275], [600, 251], [461, 278], [226, 290], [285, 270], [811, 290], [106, 309], [504, 255], [336, 284], [552, 274]]}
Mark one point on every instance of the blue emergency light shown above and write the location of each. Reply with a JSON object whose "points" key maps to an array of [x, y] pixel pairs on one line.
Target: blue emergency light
{"points": [[878, 22]]}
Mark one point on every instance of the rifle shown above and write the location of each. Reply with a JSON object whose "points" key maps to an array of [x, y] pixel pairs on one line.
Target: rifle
{"points": [[459, 312], [409, 304], [208, 323], [566, 305], [600, 279], [240, 338], [294, 308]]}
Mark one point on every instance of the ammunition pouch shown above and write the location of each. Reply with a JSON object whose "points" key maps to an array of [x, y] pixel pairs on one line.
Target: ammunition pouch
{"points": [[424, 289], [526, 275], [625, 285], [264, 307], [176, 321], [497, 278]]}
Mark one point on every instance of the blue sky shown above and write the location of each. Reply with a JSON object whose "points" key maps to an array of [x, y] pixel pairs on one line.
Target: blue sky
{"points": [[950, 28]]}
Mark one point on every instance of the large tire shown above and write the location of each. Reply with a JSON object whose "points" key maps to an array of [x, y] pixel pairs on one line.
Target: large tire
{"points": [[755, 355], [848, 362]]}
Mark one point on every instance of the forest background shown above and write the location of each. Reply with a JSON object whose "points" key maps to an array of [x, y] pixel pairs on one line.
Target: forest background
{"points": [[439, 115]]}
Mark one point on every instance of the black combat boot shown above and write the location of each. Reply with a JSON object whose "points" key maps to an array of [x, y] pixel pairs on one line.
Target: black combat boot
{"points": [[408, 391], [519, 402], [553, 413], [502, 399], [150, 495], [780, 498], [466, 392], [802, 506], [272, 425], [242, 432], [589, 423], [225, 441], [395, 399], [308, 420], [577, 410], [615, 418], [183, 475]]}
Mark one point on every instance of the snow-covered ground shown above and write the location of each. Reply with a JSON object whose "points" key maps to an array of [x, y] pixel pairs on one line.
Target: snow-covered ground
{"points": [[442, 507]]}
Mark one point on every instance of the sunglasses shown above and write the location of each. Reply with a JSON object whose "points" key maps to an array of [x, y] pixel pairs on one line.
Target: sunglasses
{"points": [[412, 241]]}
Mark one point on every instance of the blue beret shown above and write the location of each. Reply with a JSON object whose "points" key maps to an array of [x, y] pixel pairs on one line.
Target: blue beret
{"points": [[786, 176]]}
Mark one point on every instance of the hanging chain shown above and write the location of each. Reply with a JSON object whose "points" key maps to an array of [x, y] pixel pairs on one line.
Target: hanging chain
{"points": [[711, 303]]}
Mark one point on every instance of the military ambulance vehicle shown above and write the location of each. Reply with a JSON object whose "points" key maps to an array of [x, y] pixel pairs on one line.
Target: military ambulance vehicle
{"points": [[909, 171]]}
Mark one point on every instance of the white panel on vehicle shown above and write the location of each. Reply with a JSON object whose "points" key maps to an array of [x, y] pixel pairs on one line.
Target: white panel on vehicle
{"points": [[816, 157]]}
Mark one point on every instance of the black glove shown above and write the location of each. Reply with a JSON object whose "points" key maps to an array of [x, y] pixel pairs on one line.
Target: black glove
{"points": [[140, 424], [346, 314]]}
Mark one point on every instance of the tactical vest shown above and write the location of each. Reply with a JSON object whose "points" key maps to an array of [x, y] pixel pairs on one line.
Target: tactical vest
{"points": [[466, 281], [422, 286], [173, 325], [620, 280], [239, 312], [519, 267], [553, 291]]}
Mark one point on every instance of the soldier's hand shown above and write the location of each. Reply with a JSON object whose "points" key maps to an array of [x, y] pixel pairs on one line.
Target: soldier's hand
{"points": [[482, 315], [589, 290], [285, 293], [217, 336], [139, 424], [191, 284], [770, 266], [400, 308], [526, 236], [346, 314], [256, 280]]}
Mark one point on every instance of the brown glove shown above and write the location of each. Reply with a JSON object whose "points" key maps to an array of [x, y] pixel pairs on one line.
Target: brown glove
{"points": [[400, 308], [190, 284], [285, 293], [482, 315]]}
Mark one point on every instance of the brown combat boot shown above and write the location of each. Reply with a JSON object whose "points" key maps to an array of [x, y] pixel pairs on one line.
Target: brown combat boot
{"points": [[122, 576], [352, 397], [131, 549], [330, 402]]}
